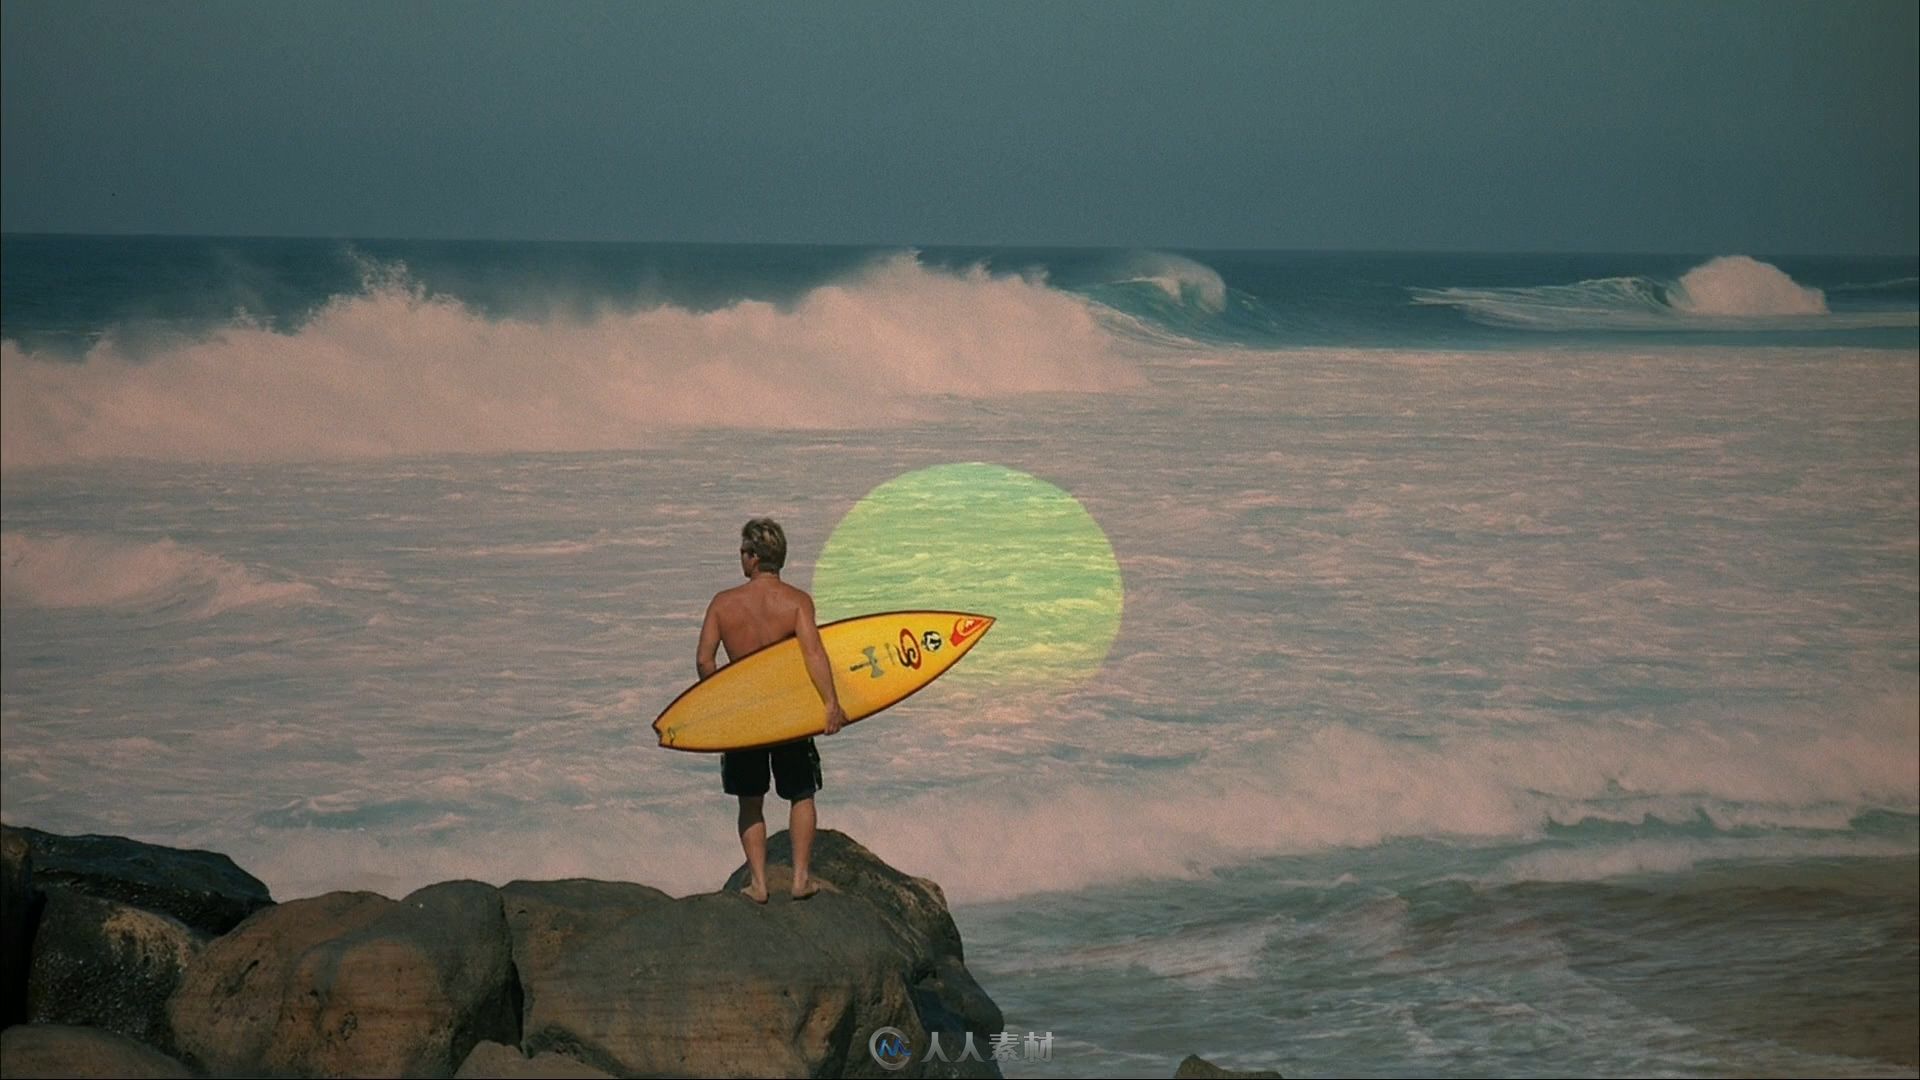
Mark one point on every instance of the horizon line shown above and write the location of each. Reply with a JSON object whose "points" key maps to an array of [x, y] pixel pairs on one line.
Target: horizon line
{"points": [[920, 245]]}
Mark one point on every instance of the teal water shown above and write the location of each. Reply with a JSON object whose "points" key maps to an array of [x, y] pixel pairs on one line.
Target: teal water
{"points": [[1515, 679]]}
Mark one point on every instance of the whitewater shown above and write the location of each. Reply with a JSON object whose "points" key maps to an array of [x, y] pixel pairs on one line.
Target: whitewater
{"points": [[1517, 671]]}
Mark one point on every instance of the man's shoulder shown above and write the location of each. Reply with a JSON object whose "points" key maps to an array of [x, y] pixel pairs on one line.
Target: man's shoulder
{"points": [[726, 597]]}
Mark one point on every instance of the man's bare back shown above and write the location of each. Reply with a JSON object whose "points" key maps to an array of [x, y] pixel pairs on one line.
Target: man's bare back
{"points": [[747, 618], [763, 612], [759, 613]]}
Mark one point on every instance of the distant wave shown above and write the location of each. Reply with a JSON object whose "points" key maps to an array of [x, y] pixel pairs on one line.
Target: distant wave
{"points": [[1182, 279], [1729, 293], [393, 370], [1168, 300], [57, 570], [1905, 284]]}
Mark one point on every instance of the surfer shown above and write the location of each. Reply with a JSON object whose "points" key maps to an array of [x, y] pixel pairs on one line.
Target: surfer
{"points": [[753, 616]]}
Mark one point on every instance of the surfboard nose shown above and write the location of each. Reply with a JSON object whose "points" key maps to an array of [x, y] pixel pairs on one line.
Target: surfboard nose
{"points": [[966, 628]]}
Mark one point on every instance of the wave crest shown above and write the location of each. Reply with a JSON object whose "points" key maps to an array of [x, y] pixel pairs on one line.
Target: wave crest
{"points": [[1738, 285], [1727, 293], [58, 570], [1182, 279], [392, 370]]}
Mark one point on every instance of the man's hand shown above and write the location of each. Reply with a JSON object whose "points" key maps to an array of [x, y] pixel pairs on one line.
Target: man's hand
{"points": [[836, 717]]}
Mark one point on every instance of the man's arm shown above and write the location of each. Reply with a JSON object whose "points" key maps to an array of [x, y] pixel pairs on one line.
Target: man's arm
{"points": [[709, 643], [818, 666]]}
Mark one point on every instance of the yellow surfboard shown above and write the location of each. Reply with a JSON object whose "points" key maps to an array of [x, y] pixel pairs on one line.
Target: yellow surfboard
{"points": [[766, 698]]}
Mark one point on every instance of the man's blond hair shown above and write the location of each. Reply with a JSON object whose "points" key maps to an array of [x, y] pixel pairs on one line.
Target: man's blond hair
{"points": [[766, 541]]}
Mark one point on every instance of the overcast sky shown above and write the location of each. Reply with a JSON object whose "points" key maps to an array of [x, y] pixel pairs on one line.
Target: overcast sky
{"points": [[1758, 126]]}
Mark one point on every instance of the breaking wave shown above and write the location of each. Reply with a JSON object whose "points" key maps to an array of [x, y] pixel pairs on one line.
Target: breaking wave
{"points": [[1776, 791], [57, 570], [394, 370], [1729, 293], [1182, 279]]}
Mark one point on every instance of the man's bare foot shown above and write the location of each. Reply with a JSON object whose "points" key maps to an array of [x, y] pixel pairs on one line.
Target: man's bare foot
{"points": [[755, 892], [804, 888]]}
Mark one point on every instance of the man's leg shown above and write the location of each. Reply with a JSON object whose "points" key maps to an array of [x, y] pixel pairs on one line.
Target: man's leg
{"points": [[753, 839], [800, 822]]}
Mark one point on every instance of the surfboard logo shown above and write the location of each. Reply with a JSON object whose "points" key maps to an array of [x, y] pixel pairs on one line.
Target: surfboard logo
{"points": [[909, 650], [964, 629], [871, 663]]}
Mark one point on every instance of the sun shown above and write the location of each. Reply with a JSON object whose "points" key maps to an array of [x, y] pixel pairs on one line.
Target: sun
{"points": [[987, 539]]}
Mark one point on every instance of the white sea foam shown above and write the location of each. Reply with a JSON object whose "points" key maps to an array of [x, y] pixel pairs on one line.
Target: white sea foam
{"points": [[393, 371], [1740, 285], [1336, 787], [1331, 787], [55, 570], [1639, 857], [1727, 293]]}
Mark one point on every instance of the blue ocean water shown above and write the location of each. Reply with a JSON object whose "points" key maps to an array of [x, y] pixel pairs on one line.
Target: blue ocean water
{"points": [[1517, 671]]}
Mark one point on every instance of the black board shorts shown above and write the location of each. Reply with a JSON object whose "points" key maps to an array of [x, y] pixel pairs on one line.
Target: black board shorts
{"points": [[795, 768]]}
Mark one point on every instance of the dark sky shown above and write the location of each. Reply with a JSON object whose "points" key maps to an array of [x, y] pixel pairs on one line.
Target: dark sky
{"points": [[1753, 127]]}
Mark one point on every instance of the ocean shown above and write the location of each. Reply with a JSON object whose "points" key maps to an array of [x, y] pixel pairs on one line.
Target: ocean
{"points": [[1517, 664]]}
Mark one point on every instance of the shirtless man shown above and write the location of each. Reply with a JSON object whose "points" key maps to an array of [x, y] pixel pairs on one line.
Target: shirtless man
{"points": [[748, 617]]}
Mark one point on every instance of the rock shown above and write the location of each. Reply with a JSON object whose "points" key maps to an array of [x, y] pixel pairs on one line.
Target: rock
{"points": [[104, 964], [631, 981], [491, 1059], [914, 906], [353, 984], [1196, 1067], [19, 911], [59, 1050], [202, 889]]}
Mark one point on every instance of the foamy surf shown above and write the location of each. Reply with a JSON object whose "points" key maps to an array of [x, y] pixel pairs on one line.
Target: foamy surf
{"points": [[396, 370], [55, 570], [1469, 679], [1729, 293]]}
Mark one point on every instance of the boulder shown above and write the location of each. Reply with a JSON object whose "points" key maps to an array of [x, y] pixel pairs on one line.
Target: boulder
{"points": [[946, 994], [353, 984], [19, 910], [633, 982], [104, 964], [202, 889], [59, 1050], [1196, 1067], [494, 1060], [915, 905]]}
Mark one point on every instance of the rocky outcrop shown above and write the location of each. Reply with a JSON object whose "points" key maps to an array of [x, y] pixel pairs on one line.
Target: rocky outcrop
{"points": [[105, 964], [634, 982], [202, 889], [945, 993], [353, 984], [59, 1050], [554, 978]]}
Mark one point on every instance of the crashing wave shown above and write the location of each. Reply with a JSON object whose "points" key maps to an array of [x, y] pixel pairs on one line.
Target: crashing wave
{"points": [[392, 370], [1728, 293]]}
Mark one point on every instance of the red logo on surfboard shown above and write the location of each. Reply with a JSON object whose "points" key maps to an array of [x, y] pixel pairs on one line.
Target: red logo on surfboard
{"points": [[966, 628]]}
